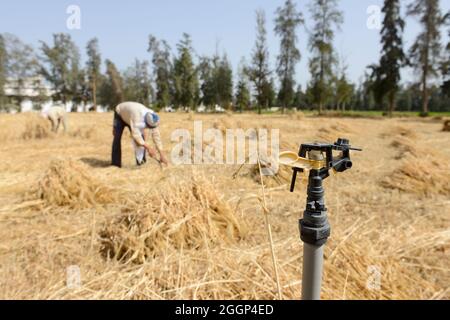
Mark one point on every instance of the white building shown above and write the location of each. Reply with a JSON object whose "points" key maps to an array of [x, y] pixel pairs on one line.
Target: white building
{"points": [[36, 93], [28, 93]]}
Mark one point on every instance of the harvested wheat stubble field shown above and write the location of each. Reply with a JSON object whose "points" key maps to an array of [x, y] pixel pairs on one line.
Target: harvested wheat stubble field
{"points": [[194, 232]]}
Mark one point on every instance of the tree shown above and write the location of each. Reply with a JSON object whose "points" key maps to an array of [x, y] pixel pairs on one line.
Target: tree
{"points": [[364, 94], [19, 62], [299, 98], [115, 83], [326, 18], [243, 97], [269, 95], [224, 80], [185, 76], [445, 68], [3, 66], [259, 70], [138, 83], [426, 50], [63, 71], [162, 66], [387, 73], [208, 84], [93, 68], [286, 22], [216, 75], [344, 91]]}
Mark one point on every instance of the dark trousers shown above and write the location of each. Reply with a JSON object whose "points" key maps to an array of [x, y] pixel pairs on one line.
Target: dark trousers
{"points": [[116, 155]]}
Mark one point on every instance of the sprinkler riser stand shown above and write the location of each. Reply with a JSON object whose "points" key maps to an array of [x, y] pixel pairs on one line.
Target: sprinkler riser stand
{"points": [[312, 271], [314, 232]]}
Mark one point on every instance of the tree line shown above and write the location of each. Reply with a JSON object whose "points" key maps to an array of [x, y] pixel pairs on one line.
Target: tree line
{"points": [[182, 79]]}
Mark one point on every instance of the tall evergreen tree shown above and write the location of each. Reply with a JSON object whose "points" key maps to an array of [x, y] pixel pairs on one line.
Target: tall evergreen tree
{"points": [[327, 17], [20, 62], [224, 80], [392, 55], [445, 69], [115, 80], [300, 98], [217, 81], [344, 92], [62, 61], [185, 76], [93, 68], [137, 83], [242, 98], [3, 66], [162, 66], [269, 96], [286, 22], [426, 50], [208, 84], [259, 70]]}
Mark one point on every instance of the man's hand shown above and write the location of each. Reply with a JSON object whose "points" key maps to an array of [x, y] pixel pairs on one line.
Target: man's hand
{"points": [[150, 150], [163, 159]]}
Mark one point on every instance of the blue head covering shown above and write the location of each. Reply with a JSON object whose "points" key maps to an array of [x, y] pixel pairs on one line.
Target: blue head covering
{"points": [[151, 119]]}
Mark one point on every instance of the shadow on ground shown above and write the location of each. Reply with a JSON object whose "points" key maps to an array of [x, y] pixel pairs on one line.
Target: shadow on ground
{"points": [[96, 163]]}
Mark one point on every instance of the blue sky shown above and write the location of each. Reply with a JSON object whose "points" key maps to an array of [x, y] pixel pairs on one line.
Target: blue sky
{"points": [[123, 28]]}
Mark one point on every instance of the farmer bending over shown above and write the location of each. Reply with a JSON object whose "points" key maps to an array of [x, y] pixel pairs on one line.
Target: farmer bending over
{"points": [[136, 117], [57, 115]]}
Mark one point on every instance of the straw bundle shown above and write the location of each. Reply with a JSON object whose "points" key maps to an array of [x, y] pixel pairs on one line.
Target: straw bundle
{"points": [[68, 183], [273, 175], [333, 132], [36, 127], [84, 133], [187, 215], [296, 115], [399, 131], [446, 127], [406, 146], [422, 176]]}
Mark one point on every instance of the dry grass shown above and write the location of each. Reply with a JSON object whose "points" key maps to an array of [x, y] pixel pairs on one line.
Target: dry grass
{"points": [[185, 215], [183, 234], [67, 183], [336, 130], [273, 175], [446, 127], [399, 131], [421, 171], [405, 146], [423, 176], [83, 133], [36, 127], [296, 115]]}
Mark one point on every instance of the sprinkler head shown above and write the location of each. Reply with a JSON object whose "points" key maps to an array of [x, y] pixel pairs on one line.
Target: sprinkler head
{"points": [[319, 157]]}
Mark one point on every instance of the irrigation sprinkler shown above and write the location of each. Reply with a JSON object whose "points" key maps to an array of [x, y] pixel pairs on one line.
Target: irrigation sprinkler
{"points": [[314, 228]]}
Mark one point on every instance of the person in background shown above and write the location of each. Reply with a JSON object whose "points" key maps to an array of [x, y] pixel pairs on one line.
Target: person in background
{"points": [[57, 115], [136, 117]]}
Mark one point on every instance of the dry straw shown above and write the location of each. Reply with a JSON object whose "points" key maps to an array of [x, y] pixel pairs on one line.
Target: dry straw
{"points": [[275, 175], [399, 131], [187, 214], [84, 133], [333, 132], [68, 183], [422, 170], [40, 238], [446, 127], [36, 127]]}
